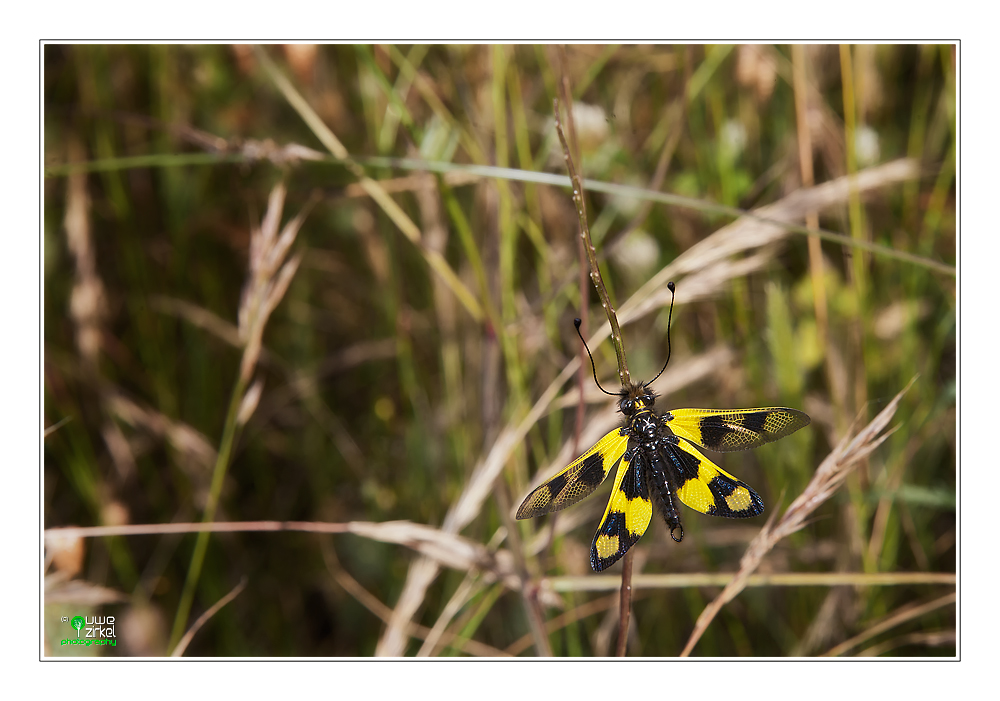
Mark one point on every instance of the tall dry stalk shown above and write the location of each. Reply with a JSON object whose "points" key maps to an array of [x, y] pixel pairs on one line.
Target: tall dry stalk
{"points": [[89, 310], [270, 276], [616, 335]]}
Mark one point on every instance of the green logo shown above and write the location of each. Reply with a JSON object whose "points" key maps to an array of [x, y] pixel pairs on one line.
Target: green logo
{"points": [[77, 622]]}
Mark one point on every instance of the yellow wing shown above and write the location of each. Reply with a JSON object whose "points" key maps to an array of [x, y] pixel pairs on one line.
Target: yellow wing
{"points": [[706, 487], [579, 479], [725, 430], [626, 516]]}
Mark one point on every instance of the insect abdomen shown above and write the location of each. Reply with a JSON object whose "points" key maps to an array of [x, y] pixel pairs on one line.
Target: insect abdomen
{"points": [[662, 494]]}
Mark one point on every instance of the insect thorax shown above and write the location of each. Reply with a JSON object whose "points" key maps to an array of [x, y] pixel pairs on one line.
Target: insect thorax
{"points": [[646, 427], [648, 433]]}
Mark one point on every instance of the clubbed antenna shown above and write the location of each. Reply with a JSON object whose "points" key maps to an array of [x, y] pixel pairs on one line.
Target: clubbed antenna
{"points": [[670, 315], [576, 323]]}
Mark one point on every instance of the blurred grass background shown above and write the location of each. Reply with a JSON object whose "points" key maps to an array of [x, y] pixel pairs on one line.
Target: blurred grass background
{"points": [[384, 386]]}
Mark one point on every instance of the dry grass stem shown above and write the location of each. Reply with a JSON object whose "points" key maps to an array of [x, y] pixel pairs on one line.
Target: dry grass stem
{"points": [[444, 548], [826, 625], [905, 614], [250, 400], [410, 183], [205, 617], [49, 430], [933, 638], [193, 446], [470, 586], [564, 619], [410, 230], [289, 154], [752, 231], [199, 317], [383, 612], [459, 598], [579, 199], [828, 477], [775, 579]]}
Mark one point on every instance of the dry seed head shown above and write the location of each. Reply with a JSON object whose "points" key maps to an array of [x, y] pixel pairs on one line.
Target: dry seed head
{"points": [[280, 248], [263, 291], [828, 476], [275, 205], [284, 280], [249, 403], [250, 356]]}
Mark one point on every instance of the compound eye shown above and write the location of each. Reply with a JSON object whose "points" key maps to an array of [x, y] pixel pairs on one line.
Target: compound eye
{"points": [[648, 399], [627, 406]]}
